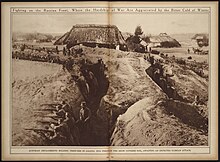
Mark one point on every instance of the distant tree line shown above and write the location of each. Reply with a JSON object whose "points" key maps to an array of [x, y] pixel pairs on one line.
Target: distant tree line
{"points": [[39, 37]]}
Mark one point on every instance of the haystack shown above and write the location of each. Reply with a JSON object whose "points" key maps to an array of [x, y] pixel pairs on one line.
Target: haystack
{"points": [[107, 36]]}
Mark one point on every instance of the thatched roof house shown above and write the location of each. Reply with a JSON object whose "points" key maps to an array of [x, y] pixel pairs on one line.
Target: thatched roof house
{"points": [[126, 35], [61, 40], [163, 40], [201, 39], [107, 36]]}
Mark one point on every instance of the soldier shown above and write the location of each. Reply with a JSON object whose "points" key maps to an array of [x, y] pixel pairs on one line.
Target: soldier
{"points": [[63, 65], [85, 112], [196, 101], [61, 113], [64, 132], [66, 107], [188, 50], [59, 136], [152, 60], [101, 67], [69, 119], [57, 50], [32, 48], [157, 75], [83, 86], [92, 82], [23, 47], [64, 51], [84, 119], [201, 73]]}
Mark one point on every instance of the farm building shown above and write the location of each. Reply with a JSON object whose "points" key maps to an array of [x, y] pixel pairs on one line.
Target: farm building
{"points": [[163, 40], [107, 36], [136, 43], [201, 39], [126, 35]]}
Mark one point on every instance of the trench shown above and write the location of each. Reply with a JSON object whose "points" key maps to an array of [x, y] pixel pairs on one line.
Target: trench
{"points": [[190, 114], [93, 85], [98, 132]]}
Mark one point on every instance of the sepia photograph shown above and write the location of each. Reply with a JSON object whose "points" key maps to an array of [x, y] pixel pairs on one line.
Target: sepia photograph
{"points": [[110, 76]]}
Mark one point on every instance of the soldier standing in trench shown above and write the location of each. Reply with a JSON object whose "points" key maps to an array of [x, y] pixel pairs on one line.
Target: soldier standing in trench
{"points": [[85, 121], [57, 50], [152, 60], [58, 137], [64, 131], [83, 86], [85, 113], [73, 129], [196, 101], [64, 51], [92, 82], [100, 68], [66, 107], [188, 50]]}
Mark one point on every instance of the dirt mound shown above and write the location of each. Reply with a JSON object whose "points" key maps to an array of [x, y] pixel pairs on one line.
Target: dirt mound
{"points": [[147, 123], [136, 97], [31, 95], [193, 84]]}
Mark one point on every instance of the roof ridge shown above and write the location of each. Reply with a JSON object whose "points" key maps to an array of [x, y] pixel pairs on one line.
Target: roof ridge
{"points": [[94, 25]]}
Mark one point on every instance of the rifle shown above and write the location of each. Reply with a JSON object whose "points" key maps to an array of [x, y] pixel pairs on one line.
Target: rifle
{"points": [[39, 130], [52, 105], [53, 117], [47, 122], [44, 109]]}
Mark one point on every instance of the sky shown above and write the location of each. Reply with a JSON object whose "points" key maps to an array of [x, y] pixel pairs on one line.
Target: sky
{"points": [[150, 23]]}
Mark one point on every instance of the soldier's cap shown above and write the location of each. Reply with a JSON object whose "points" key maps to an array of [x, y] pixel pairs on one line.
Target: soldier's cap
{"points": [[83, 103], [46, 127], [58, 106], [60, 120], [52, 125], [63, 102]]}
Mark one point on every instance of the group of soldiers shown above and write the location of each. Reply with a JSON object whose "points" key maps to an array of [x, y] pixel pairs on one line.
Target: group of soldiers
{"points": [[91, 80], [162, 74], [72, 51], [47, 54], [66, 130], [92, 83], [29, 52]]}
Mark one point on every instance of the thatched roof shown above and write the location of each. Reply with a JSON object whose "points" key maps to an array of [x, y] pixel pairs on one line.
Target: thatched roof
{"points": [[164, 38], [161, 38], [98, 34], [201, 36], [126, 35], [202, 39], [61, 40]]}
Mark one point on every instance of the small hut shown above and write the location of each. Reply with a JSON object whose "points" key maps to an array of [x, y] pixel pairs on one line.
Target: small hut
{"points": [[107, 36], [163, 40], [201, 39]]}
